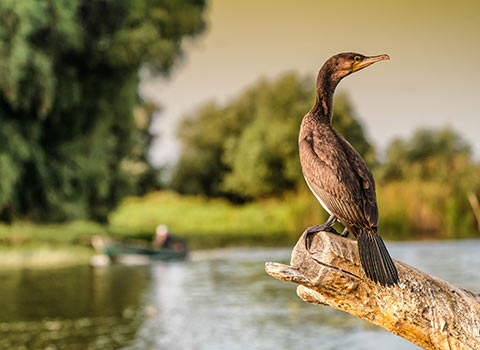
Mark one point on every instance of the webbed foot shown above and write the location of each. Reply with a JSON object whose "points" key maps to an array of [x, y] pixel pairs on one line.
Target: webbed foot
{"points": [[312, 230]]}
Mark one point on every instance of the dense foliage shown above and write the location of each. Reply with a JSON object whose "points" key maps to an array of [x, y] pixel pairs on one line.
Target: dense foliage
{"points": [[73, 131], [429, 178], [248, 148], [433, 155]]}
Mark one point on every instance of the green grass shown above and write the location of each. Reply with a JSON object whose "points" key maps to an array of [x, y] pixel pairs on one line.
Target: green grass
{"points": [[25, 244], [205, 223], [407, 210], [26, 233], [416, 210]]}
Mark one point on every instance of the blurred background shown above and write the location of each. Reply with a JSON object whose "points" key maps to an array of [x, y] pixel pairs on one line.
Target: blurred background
{"points": [[118, 116]]}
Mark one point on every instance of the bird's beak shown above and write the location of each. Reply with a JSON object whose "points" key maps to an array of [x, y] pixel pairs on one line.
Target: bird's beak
{"points": [[367, 61]]}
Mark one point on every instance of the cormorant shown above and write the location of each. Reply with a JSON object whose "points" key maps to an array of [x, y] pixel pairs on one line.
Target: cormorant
{"points": [[338, 176]]}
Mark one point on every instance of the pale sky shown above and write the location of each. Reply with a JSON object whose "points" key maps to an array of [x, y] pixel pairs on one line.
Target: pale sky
{"points": [[432, 79]]}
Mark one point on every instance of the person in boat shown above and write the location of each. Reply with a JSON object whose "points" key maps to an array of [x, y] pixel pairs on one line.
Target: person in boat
{"points": [[165, 240]]}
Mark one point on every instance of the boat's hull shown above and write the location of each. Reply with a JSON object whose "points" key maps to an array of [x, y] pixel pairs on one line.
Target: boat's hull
{"points": [[118, 252]]}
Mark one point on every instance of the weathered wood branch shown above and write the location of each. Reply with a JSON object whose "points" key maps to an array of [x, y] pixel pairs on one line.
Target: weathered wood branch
{"points": [[430, 312]]}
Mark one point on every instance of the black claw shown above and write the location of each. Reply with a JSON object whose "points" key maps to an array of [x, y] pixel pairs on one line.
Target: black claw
{"points": [[309, 233], [308, 242], [344, 233]]}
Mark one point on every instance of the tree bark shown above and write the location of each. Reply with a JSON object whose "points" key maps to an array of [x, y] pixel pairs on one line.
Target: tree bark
{"points": [[428, 311]]}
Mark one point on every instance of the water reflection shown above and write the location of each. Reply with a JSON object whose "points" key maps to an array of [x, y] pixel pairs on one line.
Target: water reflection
{"points": [[74, 308], [218, 300]]}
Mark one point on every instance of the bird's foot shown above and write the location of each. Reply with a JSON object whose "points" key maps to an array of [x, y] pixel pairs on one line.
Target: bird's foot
{"points": [[312, 230], [327, 226], [319, 228]]}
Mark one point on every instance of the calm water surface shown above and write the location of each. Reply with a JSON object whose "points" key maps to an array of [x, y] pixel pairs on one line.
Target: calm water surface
{"points": [[220, 299]]}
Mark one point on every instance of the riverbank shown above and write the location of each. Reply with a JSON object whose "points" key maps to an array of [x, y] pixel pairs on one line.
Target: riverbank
{"points": [[215, 223], [44, 256], [24, 244]]}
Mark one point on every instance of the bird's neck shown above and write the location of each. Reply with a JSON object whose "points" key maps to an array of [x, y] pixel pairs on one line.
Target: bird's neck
{"points": [[326, 84]]}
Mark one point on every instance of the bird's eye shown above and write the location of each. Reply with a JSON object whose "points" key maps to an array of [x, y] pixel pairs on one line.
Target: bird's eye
{"points": [[357, 59]]}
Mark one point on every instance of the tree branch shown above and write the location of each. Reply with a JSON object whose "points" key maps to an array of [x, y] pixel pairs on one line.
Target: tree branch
{"points": [[428, 311]]}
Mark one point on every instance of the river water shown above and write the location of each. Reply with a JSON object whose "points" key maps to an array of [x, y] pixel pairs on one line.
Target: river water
{"points": [[219, 299]]}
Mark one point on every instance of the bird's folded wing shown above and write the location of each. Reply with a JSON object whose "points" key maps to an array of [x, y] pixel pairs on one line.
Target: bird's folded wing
{"points": [[367, 182], [329, 174]]}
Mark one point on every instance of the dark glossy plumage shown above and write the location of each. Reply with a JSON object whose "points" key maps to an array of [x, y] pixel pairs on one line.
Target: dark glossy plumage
{"points": [[337, 174]]}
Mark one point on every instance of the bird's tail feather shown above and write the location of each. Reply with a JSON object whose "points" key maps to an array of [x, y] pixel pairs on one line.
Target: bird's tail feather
{"points": [[375, 259]]}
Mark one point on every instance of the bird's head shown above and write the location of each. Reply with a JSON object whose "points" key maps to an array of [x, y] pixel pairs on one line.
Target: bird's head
{"points": [[343, 64]]}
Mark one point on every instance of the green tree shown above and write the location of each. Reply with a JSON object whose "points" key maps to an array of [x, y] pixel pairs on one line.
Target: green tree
{"points": [[429, 154], [74, 131], [248, 148]]}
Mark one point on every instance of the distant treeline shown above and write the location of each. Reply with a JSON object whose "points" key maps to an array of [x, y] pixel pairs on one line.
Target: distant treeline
{"points": [[74, 133], [247, 150]]}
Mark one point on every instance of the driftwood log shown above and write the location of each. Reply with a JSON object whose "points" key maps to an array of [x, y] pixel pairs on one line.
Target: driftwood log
{"points": [[428, 311]]}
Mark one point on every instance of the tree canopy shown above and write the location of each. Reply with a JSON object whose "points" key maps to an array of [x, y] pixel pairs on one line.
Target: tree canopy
{"points": [[248, 148], [74, 131], [429, 154]]}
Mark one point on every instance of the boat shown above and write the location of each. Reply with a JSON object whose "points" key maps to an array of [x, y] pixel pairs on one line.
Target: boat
{"points": [[134, 253], [118, 252]]}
